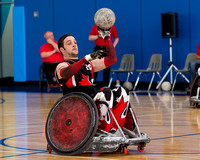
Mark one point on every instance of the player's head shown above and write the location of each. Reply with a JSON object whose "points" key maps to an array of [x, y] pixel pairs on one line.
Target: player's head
{"points": [[49, 34], [68, 46]]}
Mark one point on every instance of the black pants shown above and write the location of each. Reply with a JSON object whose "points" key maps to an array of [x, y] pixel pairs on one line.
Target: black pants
{"points": [[106, 71], [48, 69]]}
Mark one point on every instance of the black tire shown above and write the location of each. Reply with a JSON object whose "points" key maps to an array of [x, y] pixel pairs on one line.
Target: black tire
{"points": [[195, 84], [72, 123]]}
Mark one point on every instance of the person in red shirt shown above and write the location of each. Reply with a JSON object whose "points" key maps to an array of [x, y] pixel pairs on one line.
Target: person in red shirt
{"points": [[51, 56], [194, 65], [100, 44]]}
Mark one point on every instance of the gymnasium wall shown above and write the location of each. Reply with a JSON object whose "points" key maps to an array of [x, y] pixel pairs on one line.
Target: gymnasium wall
{"points": [[6, 39], [138, 23]]}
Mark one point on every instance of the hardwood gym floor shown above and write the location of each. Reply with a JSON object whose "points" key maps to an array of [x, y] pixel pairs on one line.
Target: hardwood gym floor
{"points": [[168, 119]]}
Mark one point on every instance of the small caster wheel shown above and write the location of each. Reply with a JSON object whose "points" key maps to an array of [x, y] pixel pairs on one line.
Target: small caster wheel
{"points": [[49, 149], [125, 150], [140, 148]]}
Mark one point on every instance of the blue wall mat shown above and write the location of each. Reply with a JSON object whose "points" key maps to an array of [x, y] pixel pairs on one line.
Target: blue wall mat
{"points": [[138, 23], [76, 20], [19, 44], [195, 24], [19, 2], [35, 29]]}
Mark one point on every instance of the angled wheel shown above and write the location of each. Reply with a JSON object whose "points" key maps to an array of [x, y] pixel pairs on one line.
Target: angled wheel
{"points": [[140, 147], [71, 124]]}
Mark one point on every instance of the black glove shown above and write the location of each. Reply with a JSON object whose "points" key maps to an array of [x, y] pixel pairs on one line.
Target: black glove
{"points": [[97, 54]]}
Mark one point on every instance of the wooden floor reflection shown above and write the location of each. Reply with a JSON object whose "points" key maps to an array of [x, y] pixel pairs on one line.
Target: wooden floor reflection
{"points": [[170, 122]]}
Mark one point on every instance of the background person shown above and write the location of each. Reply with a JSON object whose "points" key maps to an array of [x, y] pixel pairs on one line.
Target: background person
{"points": [[194, 65], [51, 56], [100, 44]]}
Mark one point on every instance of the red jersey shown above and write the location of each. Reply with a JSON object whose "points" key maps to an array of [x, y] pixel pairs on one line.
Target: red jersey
{"points": [[56, 57], [198, 50], [82, 81], [100, 41]]}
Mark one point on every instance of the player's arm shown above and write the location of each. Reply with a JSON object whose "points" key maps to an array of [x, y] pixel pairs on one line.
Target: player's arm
{"points": [[66, 71], [60, 67], [111, 58]]}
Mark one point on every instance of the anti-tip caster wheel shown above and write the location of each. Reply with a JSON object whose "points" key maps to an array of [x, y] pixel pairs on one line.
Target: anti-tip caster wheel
{"points": [[123, 149], [140, 148], [49, 149]]}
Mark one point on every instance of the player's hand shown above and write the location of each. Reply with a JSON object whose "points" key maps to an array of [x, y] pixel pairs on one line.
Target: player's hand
{"points": [[103, 32], [97, 54]]}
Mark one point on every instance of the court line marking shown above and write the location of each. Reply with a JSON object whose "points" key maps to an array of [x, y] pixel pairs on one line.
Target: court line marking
{"points": [[22, 154], [167, 125], [143, 153], [2, 142], [176, 136], [2, 100]]}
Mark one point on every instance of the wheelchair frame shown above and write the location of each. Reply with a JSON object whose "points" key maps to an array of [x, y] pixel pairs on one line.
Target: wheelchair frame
{"points": [[98, 140], [195, 93], [43, 83]]}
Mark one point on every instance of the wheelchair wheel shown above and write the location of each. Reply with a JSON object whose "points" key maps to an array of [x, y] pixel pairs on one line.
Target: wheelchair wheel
{"points": [[195, 85], [72, 123]]}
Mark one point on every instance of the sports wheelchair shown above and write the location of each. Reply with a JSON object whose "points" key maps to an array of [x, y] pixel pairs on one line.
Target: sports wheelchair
{"points": [[195, 93], [72, 128], [42, 82]]}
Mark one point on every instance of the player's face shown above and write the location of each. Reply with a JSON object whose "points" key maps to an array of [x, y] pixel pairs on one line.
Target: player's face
{"points": [[70, 47]]}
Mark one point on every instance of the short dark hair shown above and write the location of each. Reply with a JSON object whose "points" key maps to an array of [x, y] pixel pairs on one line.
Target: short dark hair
{"points": [[60, 41]]}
